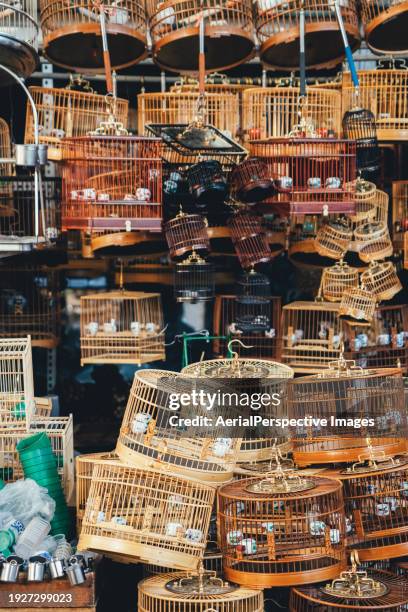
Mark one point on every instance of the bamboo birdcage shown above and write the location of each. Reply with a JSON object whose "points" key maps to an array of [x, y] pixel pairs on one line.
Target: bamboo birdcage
{"points": [[336, 280], [174, 28], [358, 405], [382, 280], [385, 25], [366, 202], [333, 239], [181, 592], [373, 241], [42, 407], [66, 112], [16, 383], [271, 112], [122, 327], [250, 181], [277, 27], [384, 92], [212, 562], [280, 530], [112, 183], [19, 38], [148, 515], [312, 175], [310, 335], [72, 33], [249, 239], [357, 306], [384, 344], [6, 169], [30, 304], [186, 233], [178, 106], [399, 213], [194, 280], [147, 438]]}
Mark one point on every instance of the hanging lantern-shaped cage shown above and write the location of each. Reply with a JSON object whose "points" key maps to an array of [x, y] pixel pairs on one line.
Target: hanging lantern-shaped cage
{"points": [[399, 213], [357, 405], [186, 233], [249, 240], [333, 239], [18, 39], [178, 592], [373, 241], [359, 125], [336, 280], [146, 515], [16, 383], [122, 327], [382, 280], [252, 303], [365, 196], [73, 39], [281, 530], [207, 183], [357, 306], [311, 335], [194, 280], [250, 181]]}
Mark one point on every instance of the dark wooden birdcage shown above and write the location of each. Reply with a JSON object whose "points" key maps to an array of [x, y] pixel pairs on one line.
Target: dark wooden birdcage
{"points": [[207, 183], [359, 125], [250, 181], [249, 239], [194, 280], [186, 233]]}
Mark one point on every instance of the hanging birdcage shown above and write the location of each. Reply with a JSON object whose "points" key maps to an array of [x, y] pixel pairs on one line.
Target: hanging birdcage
{"points": [[336, 280], [18, 38], [147, 515], [194, 280], [180, 592], [252, 304], [333, 238], [385, 25], [67, 112], [383, 91], [366, 202], [280, 530], [186, 233], [249, 239], [406, 251], [277, 27], [311, 335], [250, 181], [312, 175], [112, 182], [355, 404], [359, 125], [382, 280], [271, 112], [384, 344], [229, 35], [6, 169], [399, 213], [373, 241], [72, 33], [30, 304], [357, 306], [122, 327], [16, 383], [207, 183], [148, 439]]}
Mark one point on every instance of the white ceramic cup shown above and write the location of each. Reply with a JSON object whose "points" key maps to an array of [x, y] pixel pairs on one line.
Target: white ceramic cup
{"points": [[150, 328], [173, 529], [269, 527], [249, 546], [92, 328], [234, 537], [314, 182], [135, 328], [317, 528]]}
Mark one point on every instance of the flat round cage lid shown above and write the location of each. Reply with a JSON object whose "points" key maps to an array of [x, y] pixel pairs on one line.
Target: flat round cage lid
{"points": [[238, 368], [375, 466], [200, 585], [288, 484], [355, 585]]}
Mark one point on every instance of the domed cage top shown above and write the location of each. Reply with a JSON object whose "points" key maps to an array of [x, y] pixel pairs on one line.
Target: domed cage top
{"points": [[122, 327], [16, 383], [399, 213], [112, 182], [18, 38], [147, 515]]}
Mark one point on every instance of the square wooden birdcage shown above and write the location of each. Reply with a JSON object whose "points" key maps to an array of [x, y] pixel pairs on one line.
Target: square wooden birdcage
{"points": [[122, 327], [112, 183], [384, 344], [67, 112], [310, 335], [312, 175], [16, 383], [146, 515], [384, 92], [30, 304], [271, 112], [263, 343], [399, 213]]}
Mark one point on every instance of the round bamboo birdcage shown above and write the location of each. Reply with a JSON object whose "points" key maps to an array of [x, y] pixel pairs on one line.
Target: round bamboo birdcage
{"points": [[280, 530], [381, 201], [67, 112], [399, 213], [333, 239], [271, 112], [174, 28], [369, 590], [385, 25], [148, 439], [148, 515], [345, 411], [249, 240], [250, 181], [277, 27], [383, 91], [357, 306], [194, 280], [201, 592], [6, 169], [373, 241], [382, 280], [72, 33], [366, 198], [18, 38], [186, 233], [337, 279]]}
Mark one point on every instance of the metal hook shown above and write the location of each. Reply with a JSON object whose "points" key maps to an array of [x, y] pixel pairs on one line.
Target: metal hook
{"points": [[234, 354]]}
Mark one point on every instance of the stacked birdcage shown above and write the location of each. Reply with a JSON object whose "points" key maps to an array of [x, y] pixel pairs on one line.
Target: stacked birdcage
{"points": [[249, 239], [382, 91], [357, 306], [68, 112], [336, 279], [399, 213], [333, 238], [311, 335], [382, 280], [17, 404], [121, 327], [30, 304], [366, 202], [19, 38]]}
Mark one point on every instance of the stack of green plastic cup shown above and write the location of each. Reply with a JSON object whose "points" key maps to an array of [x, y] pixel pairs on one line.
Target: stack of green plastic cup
{"points": [[39, 463]]}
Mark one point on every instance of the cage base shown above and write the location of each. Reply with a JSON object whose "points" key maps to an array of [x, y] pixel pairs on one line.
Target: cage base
{"points": [[387, 33], [18, 244], [125, 358], [391, 447], [381, 552], [17, 55]]}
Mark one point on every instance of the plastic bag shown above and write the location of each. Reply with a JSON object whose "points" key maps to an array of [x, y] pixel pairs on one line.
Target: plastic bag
{"points": [[25, 499]]}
